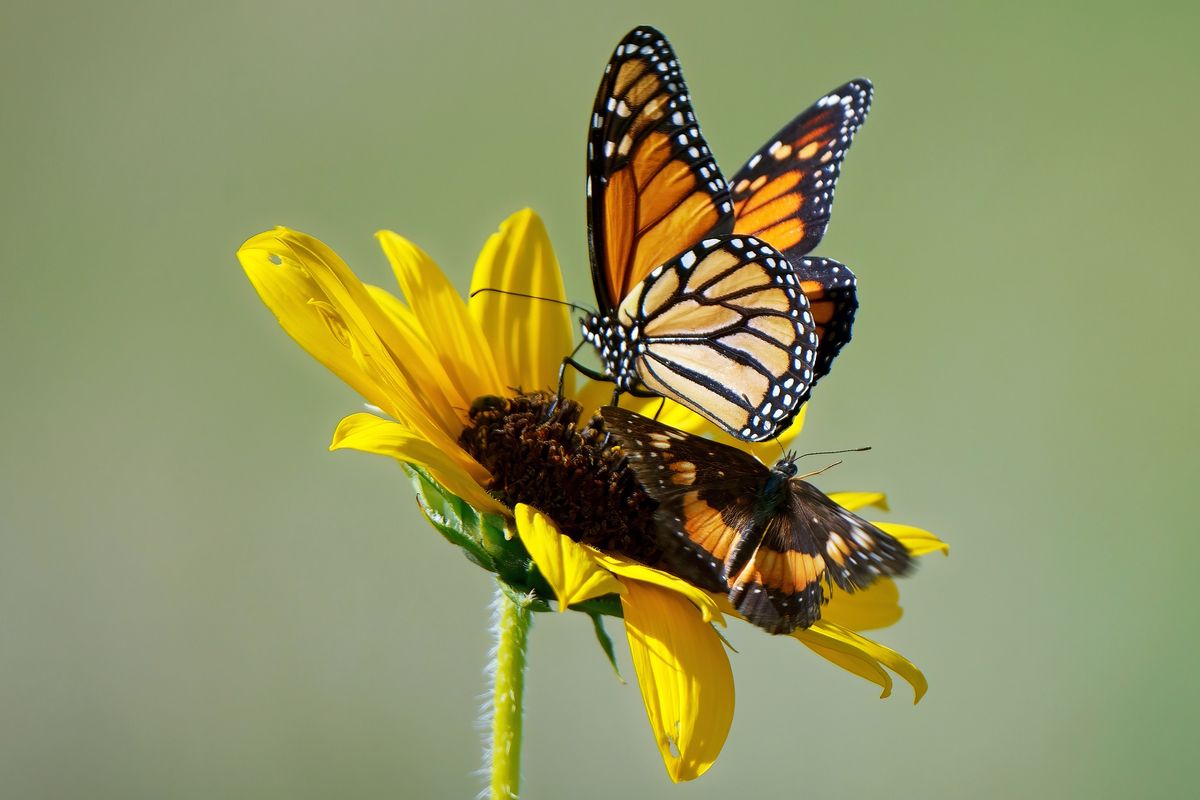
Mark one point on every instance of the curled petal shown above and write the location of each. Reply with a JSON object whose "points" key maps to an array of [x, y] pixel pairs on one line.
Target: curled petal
{"points": [[853, 501], [877, 606], [684, 677], [626, 568], [566, 565], [918, 542], [528, 337], [376, 346], [465, 353], [371, 434], [862, 656], [303, 311]]}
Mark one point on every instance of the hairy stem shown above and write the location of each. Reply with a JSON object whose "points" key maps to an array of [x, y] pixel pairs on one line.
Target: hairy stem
{"points": [[508, 688]]}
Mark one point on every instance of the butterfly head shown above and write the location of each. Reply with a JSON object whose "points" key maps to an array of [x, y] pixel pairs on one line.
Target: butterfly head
{"points": [[786, 465]]}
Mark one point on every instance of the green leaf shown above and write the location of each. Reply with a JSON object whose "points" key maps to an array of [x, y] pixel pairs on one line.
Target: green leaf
{"points": [[450, 516], [606, 643]]}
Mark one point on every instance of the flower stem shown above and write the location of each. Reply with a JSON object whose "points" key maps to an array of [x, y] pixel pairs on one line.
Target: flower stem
{"points": [[508, 689]]}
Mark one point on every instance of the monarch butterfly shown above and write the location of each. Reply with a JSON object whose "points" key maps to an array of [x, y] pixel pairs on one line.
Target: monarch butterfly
{"points": [[696, 300], [773, 541]]}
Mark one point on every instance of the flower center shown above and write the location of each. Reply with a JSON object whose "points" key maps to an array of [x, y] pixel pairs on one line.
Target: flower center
{"points": [[538, 454]]}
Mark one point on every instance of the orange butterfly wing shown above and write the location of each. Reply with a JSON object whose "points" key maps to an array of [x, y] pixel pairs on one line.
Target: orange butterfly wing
{"points": [[724, 527], [653, 187], [725, 330], [784, 194]]}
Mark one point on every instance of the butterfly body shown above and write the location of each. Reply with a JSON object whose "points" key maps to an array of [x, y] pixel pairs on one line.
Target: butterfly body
{"points": [[769, 539], [702, 294]]}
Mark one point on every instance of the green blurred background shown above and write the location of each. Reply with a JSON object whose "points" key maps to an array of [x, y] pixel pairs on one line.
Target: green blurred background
{"points": [[198, 601]]}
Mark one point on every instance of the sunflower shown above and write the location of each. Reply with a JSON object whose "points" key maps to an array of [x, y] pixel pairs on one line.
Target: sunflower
{"points": [[451, 379]]}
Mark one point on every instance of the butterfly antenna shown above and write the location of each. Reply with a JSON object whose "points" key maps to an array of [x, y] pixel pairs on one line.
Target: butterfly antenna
{"points": [[834, 452], [808, 475], [574, 306]]}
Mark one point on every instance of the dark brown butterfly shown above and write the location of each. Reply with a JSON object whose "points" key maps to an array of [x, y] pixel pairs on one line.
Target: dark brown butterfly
{"points": [[773, 541]]}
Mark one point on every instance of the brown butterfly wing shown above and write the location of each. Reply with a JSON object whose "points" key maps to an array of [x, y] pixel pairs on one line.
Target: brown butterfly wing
{"points": [[807, 545], [704, 490], [653, 187]]}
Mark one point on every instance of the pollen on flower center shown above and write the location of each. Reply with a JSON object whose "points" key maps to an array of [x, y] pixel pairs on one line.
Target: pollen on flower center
{"points": [[538, 454]]}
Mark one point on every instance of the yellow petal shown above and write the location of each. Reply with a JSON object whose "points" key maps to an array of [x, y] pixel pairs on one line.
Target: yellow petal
{"points": [[684, 677], [626, 568], [853, 501], [593, 395], [529, 338], [677, 416], [851, 660], [862, 656], [465, 354], [918, 542], [768, 452], [566, 565], [302, 308], [421, 356], [371, 434], [877, 606], [376, 345]]}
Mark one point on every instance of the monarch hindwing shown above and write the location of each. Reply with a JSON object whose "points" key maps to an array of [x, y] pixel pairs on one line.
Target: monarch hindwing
{"points": [[653, 187], [773, 541], [832, 293], [724, 329]]}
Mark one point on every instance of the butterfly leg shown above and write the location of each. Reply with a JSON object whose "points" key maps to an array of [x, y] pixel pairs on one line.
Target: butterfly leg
{"points": [[587, 372]]}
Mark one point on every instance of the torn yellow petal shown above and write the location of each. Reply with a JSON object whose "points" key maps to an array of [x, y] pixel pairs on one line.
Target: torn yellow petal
{"points": [[371, 434], [877, 606], [862, 656], [464, 352], [303, 311], [632, 570], [918, 542], [684, 677], [377, 346], [566, 565], [853, 501], [529, 338]]}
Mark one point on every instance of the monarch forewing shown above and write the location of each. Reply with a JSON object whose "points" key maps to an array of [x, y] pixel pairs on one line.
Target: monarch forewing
{"points": [[653, 186], [784, 193]]}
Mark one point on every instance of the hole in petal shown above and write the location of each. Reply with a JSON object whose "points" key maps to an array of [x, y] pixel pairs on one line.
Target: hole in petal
{"points": [[275, 259]]}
